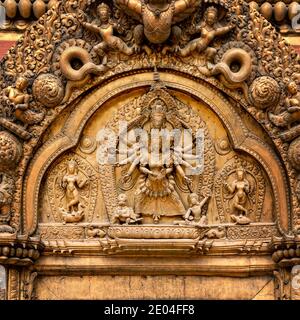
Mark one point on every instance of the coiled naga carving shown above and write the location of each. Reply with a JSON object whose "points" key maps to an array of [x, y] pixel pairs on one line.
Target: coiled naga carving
{"points": [[234, 56]]}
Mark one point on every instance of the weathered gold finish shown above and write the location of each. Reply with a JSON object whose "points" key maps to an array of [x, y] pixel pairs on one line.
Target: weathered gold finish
{"points": [[216, 72]]}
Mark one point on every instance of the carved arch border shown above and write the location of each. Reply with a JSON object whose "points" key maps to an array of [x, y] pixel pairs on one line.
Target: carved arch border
{"points": [[68, 138]]}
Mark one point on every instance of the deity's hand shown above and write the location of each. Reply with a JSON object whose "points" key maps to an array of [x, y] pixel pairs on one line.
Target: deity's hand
{"points": [[22, 107], [136, 48], [154, 174], [163, 172], [233, 22], [81, 16], [187, 180], [127, 177], [293, 109], [7, 101]]}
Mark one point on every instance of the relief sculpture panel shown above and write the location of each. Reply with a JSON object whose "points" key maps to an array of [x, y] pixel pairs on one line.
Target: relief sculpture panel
{"points": [[149, 128], [72, 190], [156, 164]]}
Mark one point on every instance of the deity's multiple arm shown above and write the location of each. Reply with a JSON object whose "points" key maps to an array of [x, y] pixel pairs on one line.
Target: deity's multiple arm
{"points": [[230, 187], [91, 27], [182, 5], [181, 172], [223, 30], [134, 5], [146, 171], [133, 165], [246, 186], [81, 182], [202, 203], [64, 182]]}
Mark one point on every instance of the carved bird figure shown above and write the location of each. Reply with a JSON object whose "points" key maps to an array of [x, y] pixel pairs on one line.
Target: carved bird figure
{"points": [[158, 17]]}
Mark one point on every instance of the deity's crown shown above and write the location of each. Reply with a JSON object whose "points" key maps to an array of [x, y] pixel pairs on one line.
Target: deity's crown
{"points": [[212, 9], [73, 162], [240, 168], [103, 7], [159, 107]]}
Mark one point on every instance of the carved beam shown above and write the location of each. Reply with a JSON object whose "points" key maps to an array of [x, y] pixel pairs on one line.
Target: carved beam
{"points": [[19, 250]]}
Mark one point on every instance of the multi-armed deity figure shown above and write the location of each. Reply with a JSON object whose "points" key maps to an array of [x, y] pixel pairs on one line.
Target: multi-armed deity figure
{"points": [[72, 182], [239, 189], [106, 31], [158, 17], [209, 30], [159, 171]]}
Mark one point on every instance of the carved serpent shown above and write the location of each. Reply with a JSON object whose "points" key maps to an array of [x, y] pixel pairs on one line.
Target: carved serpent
{"points": [[234, 56], [88, 67]]}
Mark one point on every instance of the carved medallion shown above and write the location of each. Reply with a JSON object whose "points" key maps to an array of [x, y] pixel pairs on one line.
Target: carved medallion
{"points": [[10, 150], [264, 92], [48, 90], [87, 145]]}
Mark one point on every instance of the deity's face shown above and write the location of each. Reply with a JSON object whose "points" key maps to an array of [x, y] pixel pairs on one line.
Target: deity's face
{"points": [[103, 13], [240, 175], [211, 17], [158, 120], [21, 83], [122, 200], [72, 168], [292, 87], [158, 116]]}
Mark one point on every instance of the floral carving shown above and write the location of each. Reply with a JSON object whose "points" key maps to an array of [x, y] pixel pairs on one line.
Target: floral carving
{"points": [[10, 150], [7, 188], [251, 232], [61, 232]]}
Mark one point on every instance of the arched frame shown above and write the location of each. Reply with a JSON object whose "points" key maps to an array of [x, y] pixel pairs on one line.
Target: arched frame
{"points": [[69, 136]]}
